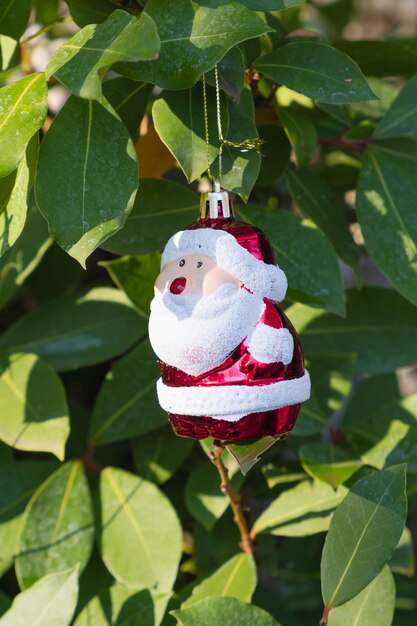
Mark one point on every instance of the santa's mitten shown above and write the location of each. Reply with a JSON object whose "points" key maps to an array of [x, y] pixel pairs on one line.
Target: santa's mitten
{"points": [[269, 345]]}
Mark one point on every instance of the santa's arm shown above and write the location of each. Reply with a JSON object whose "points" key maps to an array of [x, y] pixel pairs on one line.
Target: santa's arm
{"points": [[269, 345]]}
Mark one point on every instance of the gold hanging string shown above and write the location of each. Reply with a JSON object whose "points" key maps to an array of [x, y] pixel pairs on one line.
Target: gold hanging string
{"points": [[206, 129]]}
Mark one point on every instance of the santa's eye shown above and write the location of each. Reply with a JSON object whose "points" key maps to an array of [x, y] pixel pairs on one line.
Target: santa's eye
{"points": [[200, 263], [182, 263]]}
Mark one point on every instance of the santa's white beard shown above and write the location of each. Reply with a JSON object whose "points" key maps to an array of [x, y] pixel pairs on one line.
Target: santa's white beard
{"points": [[197, 333]]}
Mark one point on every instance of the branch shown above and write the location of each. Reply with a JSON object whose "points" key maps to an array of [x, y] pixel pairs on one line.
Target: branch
{"points": [[324, 619], [358, 145], [246, 541]]}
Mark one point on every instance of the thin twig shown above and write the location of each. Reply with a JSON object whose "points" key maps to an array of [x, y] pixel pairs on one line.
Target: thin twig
{"points": [[357, 145], [324, 619], [246, 541]]}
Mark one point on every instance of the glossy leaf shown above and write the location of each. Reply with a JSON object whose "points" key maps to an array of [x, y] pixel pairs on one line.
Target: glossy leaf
{"points": [[194, 37], [77, 330], [158, 455], [33, 409], [23, 112], [81, 61], [80, 179], [316, 200], [136, 275], [231, 73], [304, 254], [301, 133], [305, 509], [399, 56], [91, 12], [276, 151], [124, 606], [161, 208], [316, 70], [385, 198], [374, 605], [232, 611], [18, 481], [235, 579], [127, 405], [129, 99], [14, 17], [50, 602], [327, 463], [401, 119], [57, 526], [140, 535], [363, 332], [247, 454], [377, 506]]}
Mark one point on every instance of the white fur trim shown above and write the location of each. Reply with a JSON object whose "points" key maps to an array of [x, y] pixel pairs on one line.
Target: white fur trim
{"points": [[261, 278], [221, 401], [271, 345]]}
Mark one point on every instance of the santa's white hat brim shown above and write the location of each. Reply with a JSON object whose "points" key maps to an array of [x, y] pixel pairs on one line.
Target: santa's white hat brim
{"points": [[263, 279]]}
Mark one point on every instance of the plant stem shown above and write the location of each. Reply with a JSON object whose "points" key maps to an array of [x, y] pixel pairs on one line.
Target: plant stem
{"points": [[246, 542], [357, 145], [324, 619]]}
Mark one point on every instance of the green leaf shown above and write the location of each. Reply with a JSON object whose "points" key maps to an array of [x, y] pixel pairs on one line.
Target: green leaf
{"points": [[33, 408], [386, 195], [14, 190], [93, 203], [203, 496], [400, 58], [235, 579], [5, 603], [281, 475], [77, 330], [328, 463], [23, 112], [304, 254], [365, 331], [233, 612], [305, 509], [194, 37], [129, 99], [403, 561], [314, 197], [14, 17], [50, 602], [354, 553], [136, 275], [57, 527], [158, 455], [161, 208], [401, 118], [270, 5], [240, 167], [374, 605], [275, 150], [123, 606], [80, 62], [18, 481], [91, 12], [231, 73], [317, 70], [27, 252], [301, 133], [127, 405], [248, 454], [140, 534], [179, 121]]}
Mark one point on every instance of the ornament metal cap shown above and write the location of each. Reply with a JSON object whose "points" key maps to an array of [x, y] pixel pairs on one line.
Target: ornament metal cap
{"points": [[216, 204]]}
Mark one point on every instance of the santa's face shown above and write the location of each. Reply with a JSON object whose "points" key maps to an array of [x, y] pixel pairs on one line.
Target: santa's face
{"points": [[200, 314]]}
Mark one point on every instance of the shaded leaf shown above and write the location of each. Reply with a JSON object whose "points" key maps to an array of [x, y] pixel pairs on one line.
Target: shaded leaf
{"points": [[304, 254], [231, 73], [80, 180], [374, 605], [50, 602], [233, 613], [14, 17], [275, 153], [57, 527], [140, 534], [161, 208], [328, 463], [401, 118], [80, 62], [248, 454], [270, 5], [23, 112], [369, 521], [316, 70], [158, 455], [403, 561], [194, 37], [33, 408], [78, 329], [301, 133], [136, 275], [305, 509], [235, 579], [281, 475], [5, 603], [129, 99], [127, 405], [400, 58]]}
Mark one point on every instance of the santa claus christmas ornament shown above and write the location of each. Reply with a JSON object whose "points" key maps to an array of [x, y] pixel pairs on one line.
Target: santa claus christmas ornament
{"points": [[231, 362]]}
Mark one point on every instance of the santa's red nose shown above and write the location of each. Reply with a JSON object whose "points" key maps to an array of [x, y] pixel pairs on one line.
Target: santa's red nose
{"points": [[178, 285]]}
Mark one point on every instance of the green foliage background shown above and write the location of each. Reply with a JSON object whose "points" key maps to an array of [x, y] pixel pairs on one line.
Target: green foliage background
{"points": [[106, 517]]}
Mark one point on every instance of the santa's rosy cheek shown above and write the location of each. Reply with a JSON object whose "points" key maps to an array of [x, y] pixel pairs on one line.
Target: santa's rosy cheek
{"points": [[215, 278]]}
